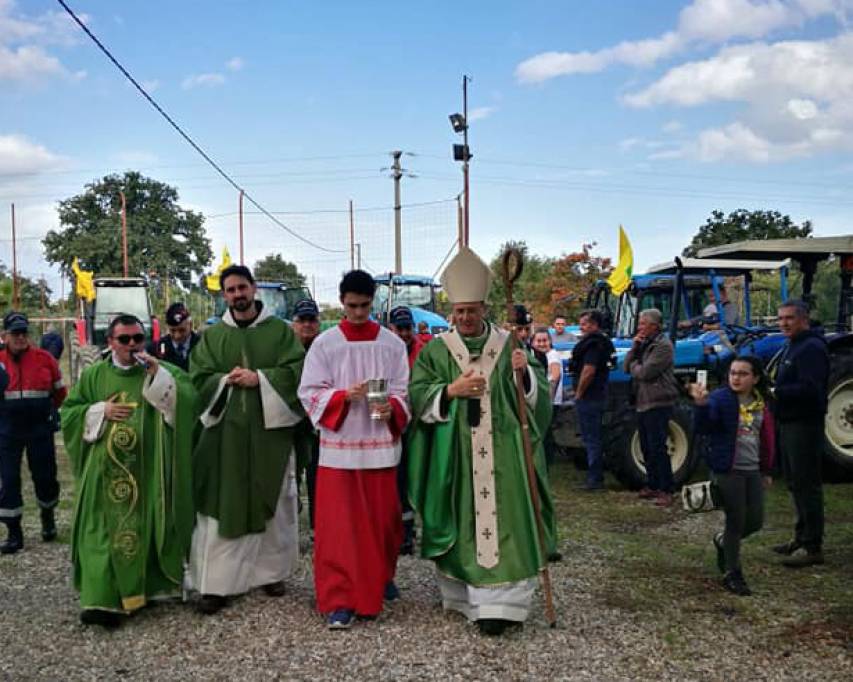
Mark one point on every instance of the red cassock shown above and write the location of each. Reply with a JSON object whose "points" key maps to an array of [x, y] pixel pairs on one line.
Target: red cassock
{"points": [[358, 527]]}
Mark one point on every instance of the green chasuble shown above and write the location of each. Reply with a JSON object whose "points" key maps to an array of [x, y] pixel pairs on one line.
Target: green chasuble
{"points": [[242, 453], [478, 521], [133, 515]]}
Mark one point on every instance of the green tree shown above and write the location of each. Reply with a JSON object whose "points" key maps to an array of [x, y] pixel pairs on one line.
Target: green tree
{"points": [[31, 293], [162, 238], [273, 268], [741, 225]]}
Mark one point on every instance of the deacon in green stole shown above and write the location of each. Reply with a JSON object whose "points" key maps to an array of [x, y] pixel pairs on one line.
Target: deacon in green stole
{"points": [[128, 433], [467, 473], [246, 369]]}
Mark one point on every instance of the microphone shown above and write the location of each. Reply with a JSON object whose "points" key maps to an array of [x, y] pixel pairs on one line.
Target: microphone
{"points": [[140, 361]]}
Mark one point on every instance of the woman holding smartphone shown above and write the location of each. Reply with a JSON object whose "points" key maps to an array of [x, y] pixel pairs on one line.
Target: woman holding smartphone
{"points": [[742, 447]]}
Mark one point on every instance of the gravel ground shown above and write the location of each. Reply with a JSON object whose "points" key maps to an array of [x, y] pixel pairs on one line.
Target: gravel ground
{"points": [[260, 637]]}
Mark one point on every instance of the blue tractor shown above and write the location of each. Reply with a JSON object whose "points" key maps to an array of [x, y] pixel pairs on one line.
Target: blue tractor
{"points": [[681, 291], [807, 253], [416, 292], [276, 296]]}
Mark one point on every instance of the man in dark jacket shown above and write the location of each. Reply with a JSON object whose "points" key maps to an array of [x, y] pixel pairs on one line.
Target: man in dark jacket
{"points": [[800, 390], [650, 363], [175, 347], [590, 370]]}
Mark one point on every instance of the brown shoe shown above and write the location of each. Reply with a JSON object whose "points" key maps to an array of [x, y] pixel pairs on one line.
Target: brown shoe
{"points": [[647, 494], [663, 500], [804, 559]]}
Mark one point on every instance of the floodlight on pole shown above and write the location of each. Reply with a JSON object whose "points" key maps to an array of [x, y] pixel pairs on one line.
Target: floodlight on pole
{"points": [[463, 152]]}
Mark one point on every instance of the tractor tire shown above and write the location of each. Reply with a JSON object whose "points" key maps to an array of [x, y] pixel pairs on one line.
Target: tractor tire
{"points": [[84, 356], [838, 428], [623, 455]]}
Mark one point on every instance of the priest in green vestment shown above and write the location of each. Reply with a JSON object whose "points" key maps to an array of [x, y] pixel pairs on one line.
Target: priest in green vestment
{"points": [[246, 369], [128, 433], [467, 473]]}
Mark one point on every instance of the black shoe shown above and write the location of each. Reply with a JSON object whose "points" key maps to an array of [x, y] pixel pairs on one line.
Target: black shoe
{"points": [[721, 555], [391, 592], [106, 619], [734, 582], [555, 556], [211, 603], [492, 627], [787, 548], [48, 525], [15, 540], [275, 589]]}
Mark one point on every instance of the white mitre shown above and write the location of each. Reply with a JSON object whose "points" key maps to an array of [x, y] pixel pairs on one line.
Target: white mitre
{"points": [[466, 278]]}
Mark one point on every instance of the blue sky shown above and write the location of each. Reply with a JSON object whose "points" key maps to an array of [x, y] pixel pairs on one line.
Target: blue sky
{"points": [[584, 116]]}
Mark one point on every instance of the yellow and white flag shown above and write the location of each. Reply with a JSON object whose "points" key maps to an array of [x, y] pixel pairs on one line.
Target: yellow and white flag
{"points": [[213, 280], [620, 278], [84, 286]]}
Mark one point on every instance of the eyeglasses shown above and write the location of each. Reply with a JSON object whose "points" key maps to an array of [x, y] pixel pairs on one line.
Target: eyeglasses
{"points": [[125, 339]]}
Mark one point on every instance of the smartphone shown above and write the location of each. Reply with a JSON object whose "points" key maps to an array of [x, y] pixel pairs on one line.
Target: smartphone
{"points": [[702, 377]]}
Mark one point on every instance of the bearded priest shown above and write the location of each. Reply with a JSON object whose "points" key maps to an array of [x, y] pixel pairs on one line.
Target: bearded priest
{"points": [[467, 473]]}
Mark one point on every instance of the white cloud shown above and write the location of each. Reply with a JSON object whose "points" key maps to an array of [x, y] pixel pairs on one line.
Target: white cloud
{"points": [[203, 80], [702, 23], [802, 109], [672, 127], [151, 85], [24, 39], [479, 113], [235, 64], [20, 156]]}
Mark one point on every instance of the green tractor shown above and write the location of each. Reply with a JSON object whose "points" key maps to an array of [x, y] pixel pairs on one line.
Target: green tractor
{"points": [[113, 296]]}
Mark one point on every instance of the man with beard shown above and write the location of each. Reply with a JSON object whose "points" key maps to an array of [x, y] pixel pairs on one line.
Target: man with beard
{"points": [[467, 472], [246, 369]]}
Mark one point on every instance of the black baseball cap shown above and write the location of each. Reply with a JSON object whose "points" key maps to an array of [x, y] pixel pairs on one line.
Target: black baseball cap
{"points": [[176, 314], [402, 317], [16, 322], [305, 308], [522, 317]]}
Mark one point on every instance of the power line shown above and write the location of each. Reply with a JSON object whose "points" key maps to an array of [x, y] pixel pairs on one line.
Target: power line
{"points": [[336, 210], [186, 137]]}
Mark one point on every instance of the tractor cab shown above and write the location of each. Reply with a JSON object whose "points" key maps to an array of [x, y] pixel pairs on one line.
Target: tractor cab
{"points": [[114, 296], [416, 292], [807, 253]]}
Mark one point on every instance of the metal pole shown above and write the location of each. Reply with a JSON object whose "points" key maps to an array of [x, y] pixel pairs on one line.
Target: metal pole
{"points": [[465, 154], [123, 230], [241, 228], [15, 298], [358, 256], [460, 221], [398, 228], [351, 238]]}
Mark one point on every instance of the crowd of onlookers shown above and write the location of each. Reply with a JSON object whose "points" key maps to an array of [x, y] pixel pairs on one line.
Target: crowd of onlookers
{"points": [[754, 423]]}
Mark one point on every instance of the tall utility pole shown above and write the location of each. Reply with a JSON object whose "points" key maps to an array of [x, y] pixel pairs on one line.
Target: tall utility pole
{"points": [[467, 157], [15, 298], [397, 171], [241, 227], [460, 221], [123, 230], [351, 238], [358, 256]]}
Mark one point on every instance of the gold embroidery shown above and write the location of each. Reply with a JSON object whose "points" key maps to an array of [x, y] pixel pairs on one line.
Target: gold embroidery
{"points": [[126, 543]]}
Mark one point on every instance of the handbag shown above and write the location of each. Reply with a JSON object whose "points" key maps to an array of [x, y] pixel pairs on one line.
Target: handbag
{"points": [[700, 497]]}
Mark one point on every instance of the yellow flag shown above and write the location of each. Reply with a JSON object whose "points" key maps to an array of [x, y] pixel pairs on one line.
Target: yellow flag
{"points": [[85, 287], [620, 278], [213, 280]]}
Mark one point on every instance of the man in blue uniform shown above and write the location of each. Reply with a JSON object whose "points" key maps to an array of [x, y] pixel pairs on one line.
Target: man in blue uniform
{"points": [[33, 392]]}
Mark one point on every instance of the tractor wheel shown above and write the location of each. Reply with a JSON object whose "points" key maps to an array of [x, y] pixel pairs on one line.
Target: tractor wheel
{"points": [[839, 415], [623, 454], [84, 356]]}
